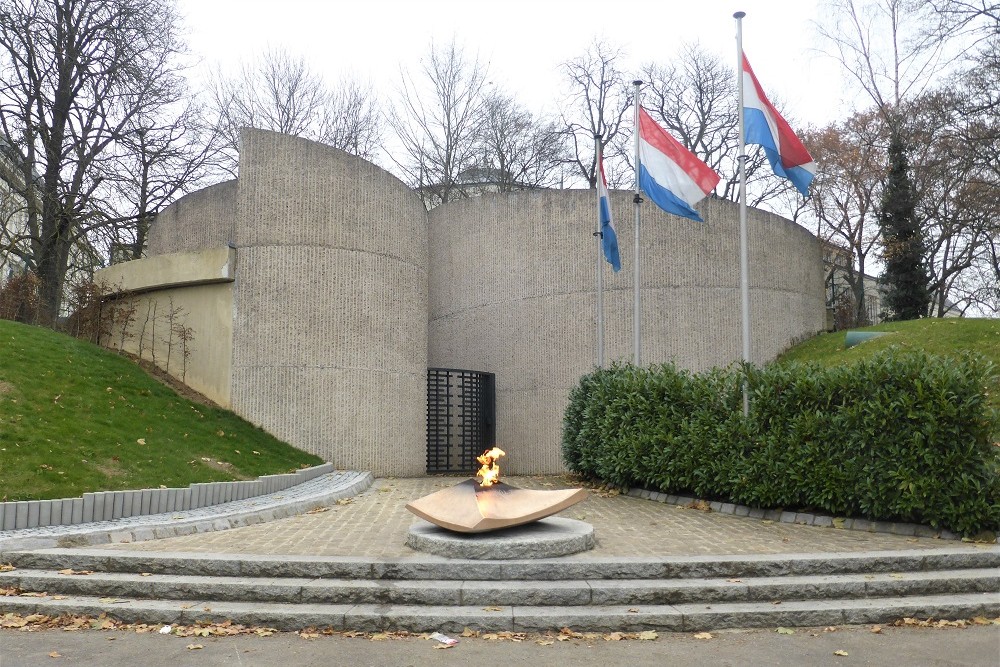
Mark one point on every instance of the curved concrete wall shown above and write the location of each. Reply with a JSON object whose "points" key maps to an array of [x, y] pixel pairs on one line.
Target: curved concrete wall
{"points": [[330, 321], [512, 286], [200, 220]]}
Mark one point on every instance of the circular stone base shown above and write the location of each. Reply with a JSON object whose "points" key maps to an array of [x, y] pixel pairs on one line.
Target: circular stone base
{"points": [[545, 538]]}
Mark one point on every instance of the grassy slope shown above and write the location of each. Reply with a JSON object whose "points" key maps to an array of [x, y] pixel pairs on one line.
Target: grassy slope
{"points": [[949, 337], [76, 418]]}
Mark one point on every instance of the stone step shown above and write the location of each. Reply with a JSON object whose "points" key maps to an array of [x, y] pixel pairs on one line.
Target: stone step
{"points": [[554, 569], [491, 593], [453, 619]]}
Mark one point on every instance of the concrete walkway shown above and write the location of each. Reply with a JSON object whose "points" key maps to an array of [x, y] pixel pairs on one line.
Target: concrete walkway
{"points": [[374, 522]]}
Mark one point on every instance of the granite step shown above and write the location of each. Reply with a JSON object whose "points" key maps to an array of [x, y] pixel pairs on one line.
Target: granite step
{"points": [[297, 590], [453, 619], [553, 569]]}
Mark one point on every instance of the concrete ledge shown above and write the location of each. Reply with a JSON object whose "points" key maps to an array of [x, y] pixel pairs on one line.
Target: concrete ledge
{"points": [[780, 516], [111, 505], [214, 265]]}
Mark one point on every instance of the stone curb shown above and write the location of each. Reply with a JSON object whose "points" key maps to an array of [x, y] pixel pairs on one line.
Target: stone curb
{"points": [[111, 505], [322, 489], [376, 617], [574, 567], [801, 518]]}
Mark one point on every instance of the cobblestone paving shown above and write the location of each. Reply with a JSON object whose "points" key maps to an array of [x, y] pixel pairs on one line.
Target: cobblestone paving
{"points": [[375, 523]]}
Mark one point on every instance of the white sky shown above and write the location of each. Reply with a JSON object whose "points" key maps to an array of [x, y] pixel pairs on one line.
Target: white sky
{"points": [[524, 40]]}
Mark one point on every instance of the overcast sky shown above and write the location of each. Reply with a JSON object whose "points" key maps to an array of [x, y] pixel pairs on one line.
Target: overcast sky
{"points": [[524, 40]]}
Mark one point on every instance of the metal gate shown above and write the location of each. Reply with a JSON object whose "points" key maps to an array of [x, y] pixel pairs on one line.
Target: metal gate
{"points": [[461, 409]]}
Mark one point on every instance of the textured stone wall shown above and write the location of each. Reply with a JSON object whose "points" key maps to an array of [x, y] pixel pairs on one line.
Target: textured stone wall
{"points": [[512, 288], [202, 219], [330, 305], [161, 297]]}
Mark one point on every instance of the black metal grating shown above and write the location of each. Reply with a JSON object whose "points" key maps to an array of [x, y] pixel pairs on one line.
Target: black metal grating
{"points": [[460, 419]]}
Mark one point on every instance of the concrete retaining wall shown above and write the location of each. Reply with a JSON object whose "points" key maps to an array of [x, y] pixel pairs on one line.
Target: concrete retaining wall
{"points": [[330, 322], [347, 290], [512, 285]]}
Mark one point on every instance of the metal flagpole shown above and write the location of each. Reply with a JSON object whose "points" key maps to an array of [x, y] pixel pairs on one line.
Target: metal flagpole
{"points": [[599, 235], [637, 199], [744, 261]]}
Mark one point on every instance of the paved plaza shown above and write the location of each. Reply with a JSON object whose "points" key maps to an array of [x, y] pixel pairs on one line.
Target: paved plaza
{"points": [[375, 522]]}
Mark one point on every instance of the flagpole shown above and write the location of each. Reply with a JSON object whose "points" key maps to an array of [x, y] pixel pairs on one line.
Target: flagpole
{"points": [[637, 199], [599, 235], [744, 261]]}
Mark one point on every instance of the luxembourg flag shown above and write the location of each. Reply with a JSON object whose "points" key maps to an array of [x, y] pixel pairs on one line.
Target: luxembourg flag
{"points": [[671, 175], [609, 240], [765, 127]]}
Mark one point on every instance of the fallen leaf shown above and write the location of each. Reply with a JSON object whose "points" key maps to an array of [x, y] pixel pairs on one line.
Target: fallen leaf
{"points": [[492, 608], [72, 571], [490, 636], [648, 635], [877, 629], [443, 645], [829, 628], [614, 637], [703, 635], [896, 576], [145, 574], [633, 610], [141, 441], [194, 647], [54, 654], [379, 636], [786, 631], [544, 642], [469, 632], [735, 581], [843, 653], [7, 567]]}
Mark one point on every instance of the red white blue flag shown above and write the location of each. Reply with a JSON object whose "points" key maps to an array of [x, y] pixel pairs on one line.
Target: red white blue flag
{"points": [[671, 175], [609, 239], [766, 128]]}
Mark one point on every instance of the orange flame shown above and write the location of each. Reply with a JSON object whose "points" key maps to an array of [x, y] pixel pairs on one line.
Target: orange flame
{"points": [[490, 471]]}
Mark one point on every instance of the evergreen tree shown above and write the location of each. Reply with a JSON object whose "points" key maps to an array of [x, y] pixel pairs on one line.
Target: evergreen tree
{"points": [[903, 250]]}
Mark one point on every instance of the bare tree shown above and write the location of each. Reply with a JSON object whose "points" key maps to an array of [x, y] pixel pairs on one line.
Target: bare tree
{"points": [[157, 158], [956, 148], [845, 196], [518, 150], [438, 121], [597, 108], [75, 75], [279, 92], [696, 99], [888, 47]]}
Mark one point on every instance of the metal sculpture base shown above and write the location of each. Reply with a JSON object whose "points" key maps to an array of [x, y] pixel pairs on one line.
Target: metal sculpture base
{"points": [[468, 507], [545, 538]]}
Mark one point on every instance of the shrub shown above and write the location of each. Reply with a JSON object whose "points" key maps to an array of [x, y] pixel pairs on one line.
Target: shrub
{"points": [[903, 436]]}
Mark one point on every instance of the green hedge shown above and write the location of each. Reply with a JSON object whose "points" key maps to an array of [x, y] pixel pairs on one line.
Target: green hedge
{"points": [[903, 436]]}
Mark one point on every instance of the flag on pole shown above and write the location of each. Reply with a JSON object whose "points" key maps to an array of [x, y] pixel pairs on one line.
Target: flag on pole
{"points": [[609, 239], [671, 175], [765, 127]]}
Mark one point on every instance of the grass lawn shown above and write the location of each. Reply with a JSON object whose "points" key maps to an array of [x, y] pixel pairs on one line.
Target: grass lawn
{"points": [[75, 418], [948, 337]]}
